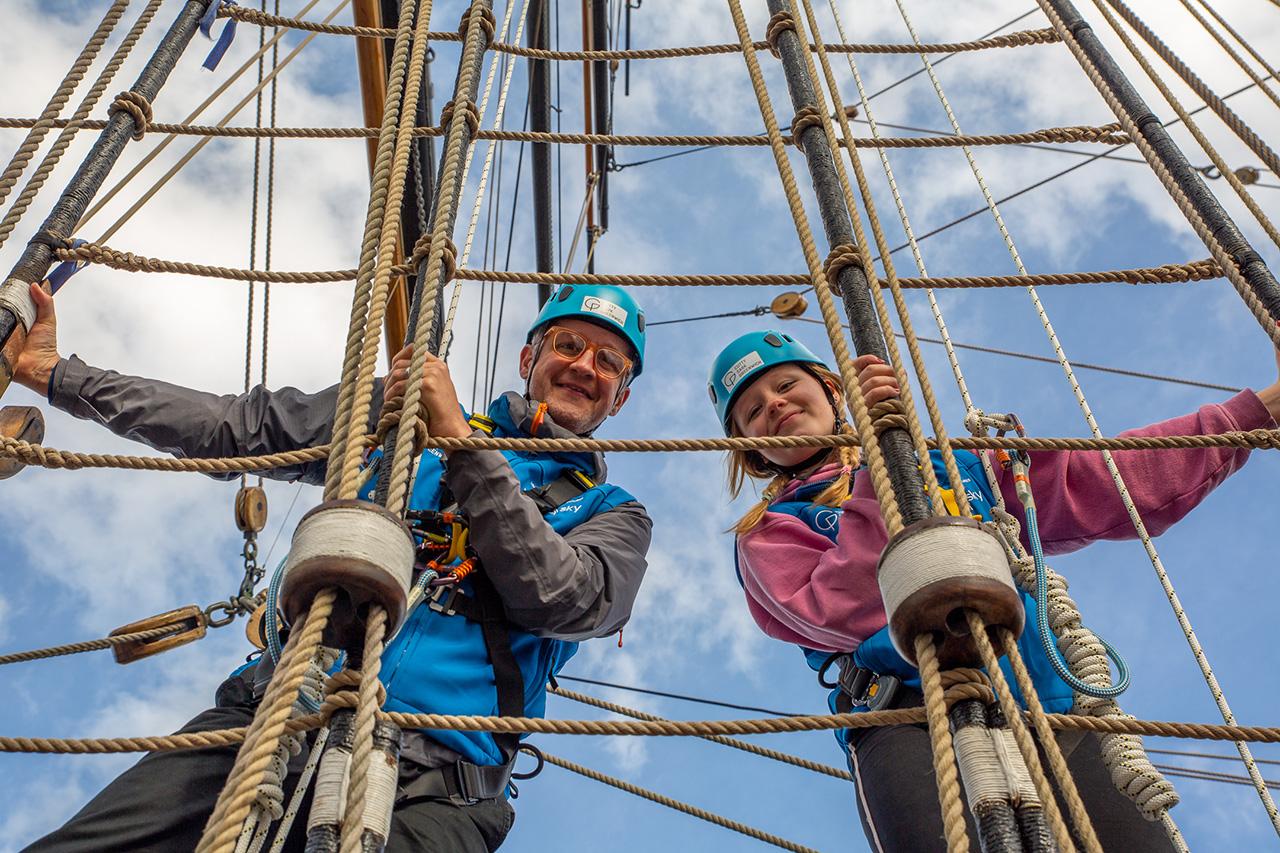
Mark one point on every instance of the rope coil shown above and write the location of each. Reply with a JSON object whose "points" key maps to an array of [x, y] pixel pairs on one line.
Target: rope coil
{"points": [[135, 105]]}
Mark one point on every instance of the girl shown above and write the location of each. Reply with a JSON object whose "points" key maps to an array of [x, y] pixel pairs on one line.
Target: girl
{"points": [[806, 557]]}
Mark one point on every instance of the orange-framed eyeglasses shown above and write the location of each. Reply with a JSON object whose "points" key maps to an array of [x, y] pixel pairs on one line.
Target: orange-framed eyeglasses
{"points": [[570, 346]]}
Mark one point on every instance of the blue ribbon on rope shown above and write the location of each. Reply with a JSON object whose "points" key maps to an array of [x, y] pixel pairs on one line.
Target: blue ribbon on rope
{"points": [[66, 269], [228, 32]]}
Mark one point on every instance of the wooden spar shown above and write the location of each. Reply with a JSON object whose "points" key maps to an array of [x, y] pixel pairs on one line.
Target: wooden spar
{"points": [[372, 64]]}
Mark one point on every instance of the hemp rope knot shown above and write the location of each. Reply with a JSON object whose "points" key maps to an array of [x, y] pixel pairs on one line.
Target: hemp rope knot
{"points": [[887, 415], [488, 23], [841, 256], [778, 24], [470, 114], [135, 105], [340, 692], [965, 683], [806, 118], [448, 261], [390, 417], [53, 240]]}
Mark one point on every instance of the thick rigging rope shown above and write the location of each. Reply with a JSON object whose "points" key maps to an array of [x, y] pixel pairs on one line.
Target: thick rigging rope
{"points": [[1202, 90], [1029, 37], [105, 198], [498, 118], [27, 150], [77, 121], [1194, 129], [1180, 613]]}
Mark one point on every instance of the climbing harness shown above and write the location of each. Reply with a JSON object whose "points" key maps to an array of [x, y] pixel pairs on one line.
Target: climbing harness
{"points": [[860, 688], [1019, 463]]}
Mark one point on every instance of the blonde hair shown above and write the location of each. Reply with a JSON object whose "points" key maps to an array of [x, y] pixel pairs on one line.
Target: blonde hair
{"points": [[748, 464]]}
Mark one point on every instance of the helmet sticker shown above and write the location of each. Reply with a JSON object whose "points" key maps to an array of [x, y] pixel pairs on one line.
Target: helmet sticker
{"points": [[741, 368], [611, 311]]}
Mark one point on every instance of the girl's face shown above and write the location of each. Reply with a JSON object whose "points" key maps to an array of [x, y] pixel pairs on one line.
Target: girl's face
{"points": [[787, 400]]}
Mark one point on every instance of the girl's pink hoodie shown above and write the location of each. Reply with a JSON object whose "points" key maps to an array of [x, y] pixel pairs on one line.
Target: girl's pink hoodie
{"points": [[803, 588]]}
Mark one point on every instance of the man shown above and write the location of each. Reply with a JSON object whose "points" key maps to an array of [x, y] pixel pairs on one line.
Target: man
{"points": [[561, 557]]}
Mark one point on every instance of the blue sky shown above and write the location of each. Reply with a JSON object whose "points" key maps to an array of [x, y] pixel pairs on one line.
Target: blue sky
{"points": [[88, 551]]}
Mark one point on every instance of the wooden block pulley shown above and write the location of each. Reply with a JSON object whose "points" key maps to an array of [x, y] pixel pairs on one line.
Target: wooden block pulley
{"points": [[25, 423]]}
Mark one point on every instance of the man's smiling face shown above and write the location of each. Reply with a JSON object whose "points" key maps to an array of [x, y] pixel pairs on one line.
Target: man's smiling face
{"points": [[577, 396]]}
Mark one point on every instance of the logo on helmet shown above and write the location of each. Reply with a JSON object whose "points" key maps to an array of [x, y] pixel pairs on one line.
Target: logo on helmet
{"points": [[611, 311], [741, 368]]}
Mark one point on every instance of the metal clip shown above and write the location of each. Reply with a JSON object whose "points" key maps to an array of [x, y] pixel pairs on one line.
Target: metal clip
{"points": [[442, 598], [188, 624]]}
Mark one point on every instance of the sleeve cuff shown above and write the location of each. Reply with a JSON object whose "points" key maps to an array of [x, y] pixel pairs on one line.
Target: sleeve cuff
{"points": [[1248, 412]]}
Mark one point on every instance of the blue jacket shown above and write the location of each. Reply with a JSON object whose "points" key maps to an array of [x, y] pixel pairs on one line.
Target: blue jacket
{"points": [[438, 663], [877, 653]]}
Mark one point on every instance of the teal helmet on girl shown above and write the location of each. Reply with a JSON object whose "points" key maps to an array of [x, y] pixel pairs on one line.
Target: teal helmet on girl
{"points": [[603, 304], [745, 360]]}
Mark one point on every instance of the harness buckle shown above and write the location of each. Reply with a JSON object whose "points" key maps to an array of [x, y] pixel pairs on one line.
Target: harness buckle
{"points": [[442, 599], [867, 689], [881, 692]]}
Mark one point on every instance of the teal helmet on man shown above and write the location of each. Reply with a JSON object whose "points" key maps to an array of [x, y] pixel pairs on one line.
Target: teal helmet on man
{"points": [[746, 359], [605, 305]]}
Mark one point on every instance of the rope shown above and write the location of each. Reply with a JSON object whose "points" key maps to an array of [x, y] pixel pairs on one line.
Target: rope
{"points": [[77, 121], [498, 119], [90, 645], [1266, 66], [1048, 742], [369, 699], [97, 253], [1202, 90], [27, 150], [264, 733], [637, 728], [678, 805], [1078, 365], [137, 106], [1263, 318], [254, 16], [944, 756], [388, 234], [379, 177], [1239, 60], [48, 457], [448, 194], [793, 760], [904, 316], [1104, 134], [853, 391], [1217, 159]]}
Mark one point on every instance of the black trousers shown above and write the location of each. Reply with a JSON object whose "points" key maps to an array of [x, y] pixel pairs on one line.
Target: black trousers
{"points": [[161, 804], [897, 793]]}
